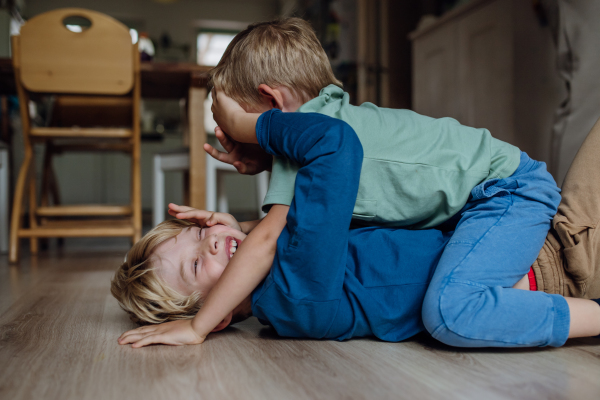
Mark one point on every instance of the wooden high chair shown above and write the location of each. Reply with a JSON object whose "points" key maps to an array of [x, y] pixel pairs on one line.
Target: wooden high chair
{"points": [[95, 69]]}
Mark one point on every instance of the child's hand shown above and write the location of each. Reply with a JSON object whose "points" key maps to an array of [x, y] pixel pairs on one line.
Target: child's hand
{"points": [[176, 333], [225, 110], [248, 159], [233, 119], [203, 218]]}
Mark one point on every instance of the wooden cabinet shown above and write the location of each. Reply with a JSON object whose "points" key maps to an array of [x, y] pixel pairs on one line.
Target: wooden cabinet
{"points": [[485, 60], [435, 74], [489, 64]]}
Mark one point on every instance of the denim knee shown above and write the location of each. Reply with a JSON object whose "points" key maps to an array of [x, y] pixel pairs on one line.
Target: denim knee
{"points": [[449, 315], [467, 314], [431, 311]]}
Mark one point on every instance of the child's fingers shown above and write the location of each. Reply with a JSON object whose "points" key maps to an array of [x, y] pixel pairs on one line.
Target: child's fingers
{"points": [[151, 339], [210, 150], [182, 216], [203, 217], [240, 166], [223, 219], [225, 141], [216, 154], [174, 208], [146, 328], [134, 336], [212, 219], [188, 217], [131, 338], [196, 214], [178, 208]]}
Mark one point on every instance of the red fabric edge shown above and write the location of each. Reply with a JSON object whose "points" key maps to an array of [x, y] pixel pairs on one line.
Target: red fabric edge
{"points": [[532, 283]]}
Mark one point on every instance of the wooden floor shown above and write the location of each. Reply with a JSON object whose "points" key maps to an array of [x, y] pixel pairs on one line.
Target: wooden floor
{"points": [[58, 340]]}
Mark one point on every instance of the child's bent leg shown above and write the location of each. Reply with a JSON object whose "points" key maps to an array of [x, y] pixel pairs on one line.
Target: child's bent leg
{"points": [[569, 263], [470, 301]]}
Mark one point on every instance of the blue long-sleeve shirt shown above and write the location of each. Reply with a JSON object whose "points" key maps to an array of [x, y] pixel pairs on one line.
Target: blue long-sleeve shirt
{"points": [[328, 281]]}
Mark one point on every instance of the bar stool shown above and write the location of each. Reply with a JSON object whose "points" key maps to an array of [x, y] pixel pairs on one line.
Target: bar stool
{"points": [[216, 195]]}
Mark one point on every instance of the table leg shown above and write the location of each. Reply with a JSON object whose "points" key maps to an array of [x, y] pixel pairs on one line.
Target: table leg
{"points": [[197, 183]]}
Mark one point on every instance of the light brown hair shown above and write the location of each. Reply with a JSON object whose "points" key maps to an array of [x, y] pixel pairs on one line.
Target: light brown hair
{"points": [[283, 52], [141, 292]]}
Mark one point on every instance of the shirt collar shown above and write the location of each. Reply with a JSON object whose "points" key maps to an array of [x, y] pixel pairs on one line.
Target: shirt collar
{"points": [[327, 95]]}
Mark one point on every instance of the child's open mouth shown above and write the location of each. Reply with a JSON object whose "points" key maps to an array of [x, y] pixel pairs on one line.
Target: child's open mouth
{"points": [[231, 245]]}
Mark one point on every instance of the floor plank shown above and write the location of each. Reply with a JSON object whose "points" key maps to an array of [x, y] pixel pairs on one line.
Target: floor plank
{"points": [[58, 340]]}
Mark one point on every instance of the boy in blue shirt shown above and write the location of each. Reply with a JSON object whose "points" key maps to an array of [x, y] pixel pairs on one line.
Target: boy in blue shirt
{"points": [[503, 202]]}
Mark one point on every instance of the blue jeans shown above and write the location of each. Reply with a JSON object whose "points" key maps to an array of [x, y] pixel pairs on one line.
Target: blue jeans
{"points": [[470, 301]]}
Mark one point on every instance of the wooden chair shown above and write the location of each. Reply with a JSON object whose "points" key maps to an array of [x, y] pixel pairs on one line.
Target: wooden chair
{"points": [[96, 69]]}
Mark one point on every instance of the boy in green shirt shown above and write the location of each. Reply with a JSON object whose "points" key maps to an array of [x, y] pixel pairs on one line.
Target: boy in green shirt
{"points": [[437, 159]]}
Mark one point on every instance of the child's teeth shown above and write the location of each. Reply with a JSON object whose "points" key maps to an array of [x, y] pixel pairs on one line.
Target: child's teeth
{"points": [[233, 249]]}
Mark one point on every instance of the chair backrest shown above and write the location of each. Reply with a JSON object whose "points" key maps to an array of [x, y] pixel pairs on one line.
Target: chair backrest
{"points": [[53, 59]]}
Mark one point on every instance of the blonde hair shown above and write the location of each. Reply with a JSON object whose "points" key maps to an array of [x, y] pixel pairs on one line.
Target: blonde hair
{"points": [[283, 52], [141, 292]]}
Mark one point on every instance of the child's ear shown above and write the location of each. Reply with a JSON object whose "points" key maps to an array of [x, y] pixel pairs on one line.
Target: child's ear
{"points": [[224, 324], [271, 96]]}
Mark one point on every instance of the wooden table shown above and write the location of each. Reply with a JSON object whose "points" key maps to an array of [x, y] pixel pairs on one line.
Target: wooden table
{"points": [[160, 81]]}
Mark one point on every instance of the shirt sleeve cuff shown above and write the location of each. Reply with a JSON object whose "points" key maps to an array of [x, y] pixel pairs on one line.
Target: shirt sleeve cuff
{"points": [[262, 130]]}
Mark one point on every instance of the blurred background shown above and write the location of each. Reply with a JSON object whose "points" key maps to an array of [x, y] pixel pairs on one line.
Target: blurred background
{"points": [[523, 69]]}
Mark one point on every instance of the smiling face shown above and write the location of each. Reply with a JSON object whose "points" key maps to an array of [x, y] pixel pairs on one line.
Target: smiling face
{"points": [[194, 260]]}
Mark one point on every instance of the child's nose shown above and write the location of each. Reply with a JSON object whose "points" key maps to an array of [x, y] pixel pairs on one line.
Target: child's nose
{"points": [[212, 244]]}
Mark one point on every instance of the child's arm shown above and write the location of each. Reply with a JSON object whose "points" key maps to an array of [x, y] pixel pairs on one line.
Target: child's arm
{"points": [[248, 226], [247, 268], [233, 120]]}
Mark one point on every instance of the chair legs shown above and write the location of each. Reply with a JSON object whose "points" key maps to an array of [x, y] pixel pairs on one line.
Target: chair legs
{"points": [[33, 241], [136, 193], [4, 185], [158, 192], [17, 211], [211, 185], [165, 162], [262, 187], [222, 201], [41, 222], [49, 191]]}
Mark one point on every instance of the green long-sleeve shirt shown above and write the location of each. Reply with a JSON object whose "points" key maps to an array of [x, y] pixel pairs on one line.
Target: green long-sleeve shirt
{"points": [[417, 171]]}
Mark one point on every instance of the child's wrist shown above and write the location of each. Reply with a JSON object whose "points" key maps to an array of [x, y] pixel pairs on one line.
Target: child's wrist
{"points": [[244, 127], [248, 226], [244, 226], [200, 332], [197, 326]]}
